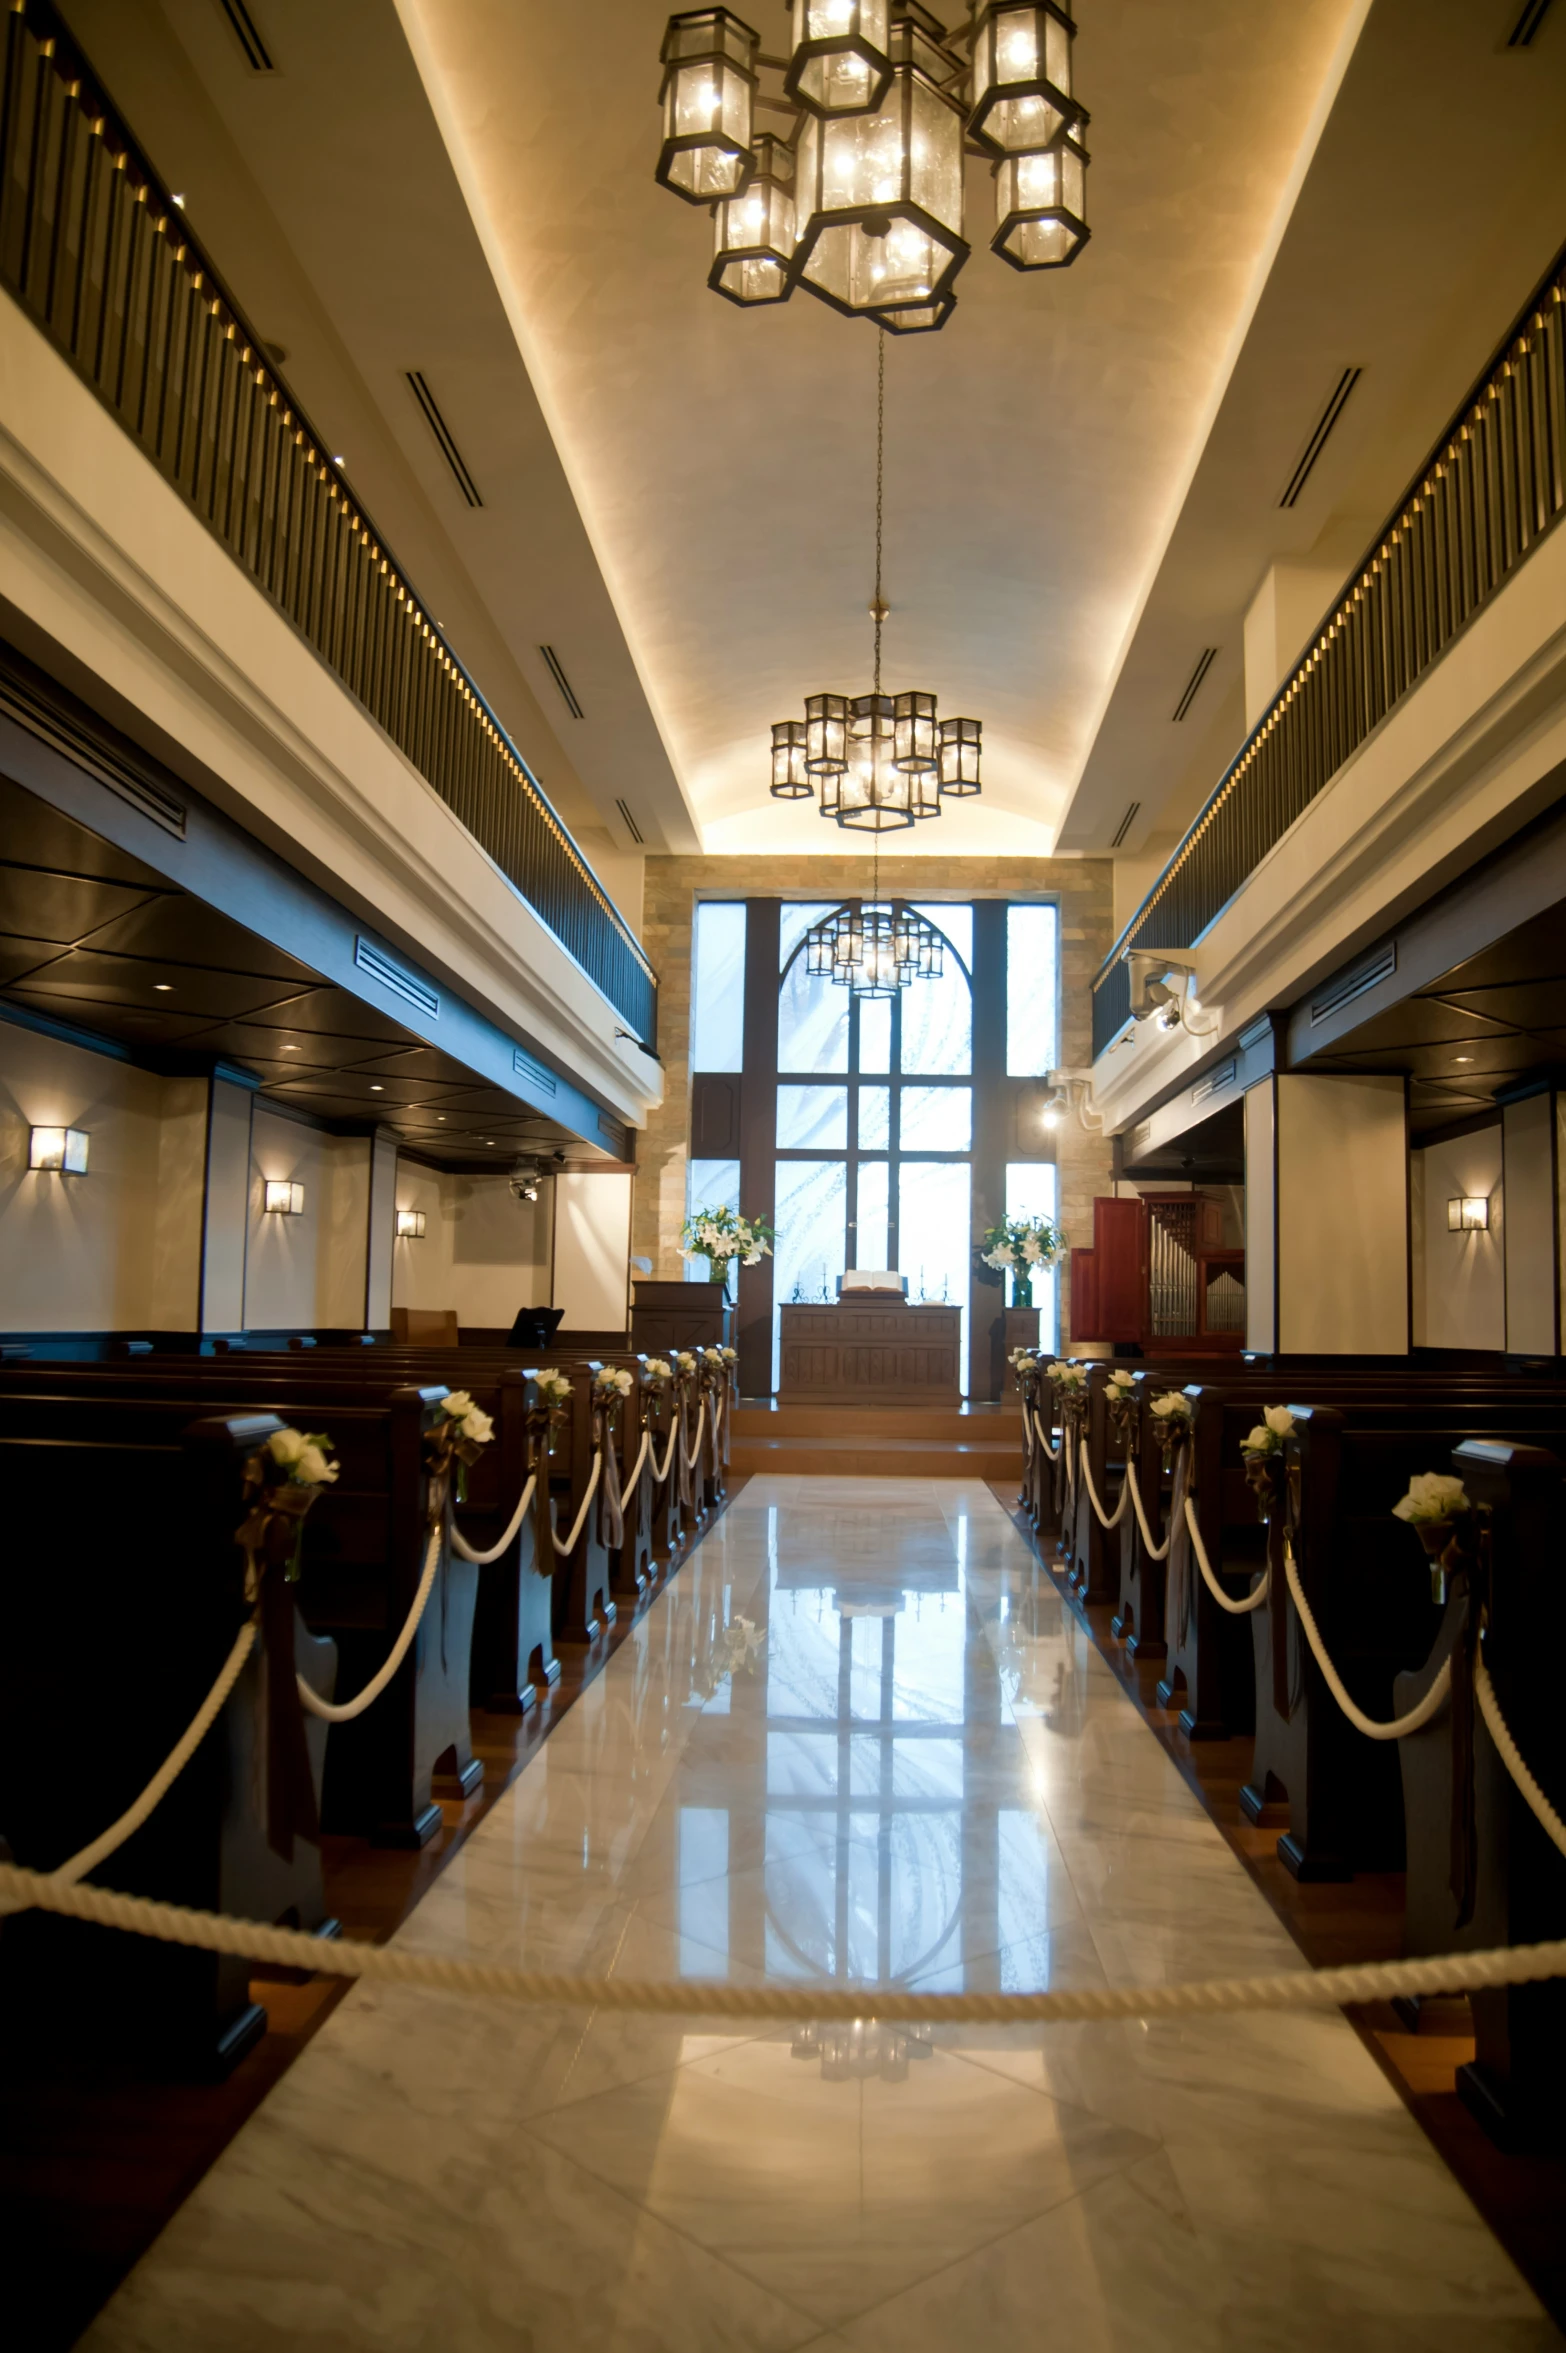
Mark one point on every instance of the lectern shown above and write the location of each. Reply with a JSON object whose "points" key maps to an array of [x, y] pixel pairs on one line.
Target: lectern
{"points": [[872, 1348]]}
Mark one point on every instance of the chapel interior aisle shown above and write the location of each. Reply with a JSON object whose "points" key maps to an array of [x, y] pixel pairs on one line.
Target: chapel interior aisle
{"points": [[924, 1771]]}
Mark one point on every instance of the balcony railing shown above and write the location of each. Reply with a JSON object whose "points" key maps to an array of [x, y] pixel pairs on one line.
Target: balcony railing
{"points": [[96, 251], [1492, 486]]}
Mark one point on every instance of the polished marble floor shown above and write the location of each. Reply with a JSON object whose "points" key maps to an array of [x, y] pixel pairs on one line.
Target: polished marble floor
{"points": [[908, 1764]]}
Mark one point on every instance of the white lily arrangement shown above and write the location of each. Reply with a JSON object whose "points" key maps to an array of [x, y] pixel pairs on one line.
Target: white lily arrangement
{"points": [[474, 1426], [612, 1380], [1276, 1424], [301, 1456], [1069, 1379], [1433, 1497], [721, 1234], [553, 1387]]}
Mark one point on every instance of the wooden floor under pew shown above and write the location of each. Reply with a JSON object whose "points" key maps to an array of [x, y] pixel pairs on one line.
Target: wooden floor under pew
{"points": [[92, 2165], [1522, 2198], [979, 1441]]}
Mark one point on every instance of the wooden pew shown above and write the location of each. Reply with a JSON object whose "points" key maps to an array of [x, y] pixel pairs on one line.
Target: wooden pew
{"points": [[1516, 2082], [363, 1557], [122, 1591]]}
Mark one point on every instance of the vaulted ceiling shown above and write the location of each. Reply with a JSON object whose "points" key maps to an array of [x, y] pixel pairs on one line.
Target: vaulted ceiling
{"points": [[1084, 466]]}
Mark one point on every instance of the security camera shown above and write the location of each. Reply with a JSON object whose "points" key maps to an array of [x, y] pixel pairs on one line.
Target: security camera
{"points": [[1152, 970], [524, 1181]]}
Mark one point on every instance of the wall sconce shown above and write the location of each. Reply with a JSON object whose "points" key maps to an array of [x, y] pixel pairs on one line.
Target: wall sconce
{"points": [[64, 1149], [284, 1199], [1468, 1213], [410, 1225]]}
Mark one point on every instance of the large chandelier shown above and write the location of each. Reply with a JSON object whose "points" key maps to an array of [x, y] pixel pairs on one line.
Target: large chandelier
{"points": [[861, 199], [871, 949], [882, 761]]}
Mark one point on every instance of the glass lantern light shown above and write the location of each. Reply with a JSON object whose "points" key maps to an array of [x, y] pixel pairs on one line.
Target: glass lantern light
{"points": [[879, 196], [919, 319], [1021, 94], [789, 780], [1041, 207], [840, 63], [913, 730], [754, 242], [826, 734], [874, 794], [961, 744], [708, 97]]}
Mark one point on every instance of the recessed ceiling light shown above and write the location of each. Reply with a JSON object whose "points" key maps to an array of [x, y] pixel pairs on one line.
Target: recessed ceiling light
{"points": [[339, 460], [165, 988], [179, 200], [290, 1049], [1462, 1058], [441, 1116]]}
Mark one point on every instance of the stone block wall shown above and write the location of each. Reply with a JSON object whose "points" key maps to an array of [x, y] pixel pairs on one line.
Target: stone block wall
{"points": [[1083, 888]]}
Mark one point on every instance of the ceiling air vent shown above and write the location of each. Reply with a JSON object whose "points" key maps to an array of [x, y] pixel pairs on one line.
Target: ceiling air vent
{"points": [[1354, 983], [1316, 440], [243, 25], [430, 409], [631, 826], [395, 977], [1528, 23], [1125, 825], [557, 673], [526, 1067], [1193, 685]]}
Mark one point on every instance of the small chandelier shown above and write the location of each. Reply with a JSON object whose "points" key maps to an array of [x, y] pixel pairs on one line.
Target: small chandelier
{"points": [[861, 200], [873, 949], [882, 761]]}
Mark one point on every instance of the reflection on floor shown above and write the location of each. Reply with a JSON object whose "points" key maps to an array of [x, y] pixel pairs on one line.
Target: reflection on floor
{"points": [[923, 1771]]}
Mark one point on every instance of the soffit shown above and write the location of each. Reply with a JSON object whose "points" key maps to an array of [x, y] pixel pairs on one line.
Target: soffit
{"points": [[325, 196], [1432, 207], [1036, 447]]}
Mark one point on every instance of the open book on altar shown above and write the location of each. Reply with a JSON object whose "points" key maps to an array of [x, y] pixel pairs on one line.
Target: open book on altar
{"points": [[873, 1282]]}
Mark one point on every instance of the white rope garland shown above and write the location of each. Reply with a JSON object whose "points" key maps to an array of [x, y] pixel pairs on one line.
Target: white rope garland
{"points": [[569, 1543], [1053, 1452], [1295, 1989], [646, 1449], [1154, 1551], [1236, 1609], [88, 1858], [1105, 1519], [1400, 1726], [1528, 1789], [460, 1544], [695, 1452], [668, 1452], [344, 1711]]}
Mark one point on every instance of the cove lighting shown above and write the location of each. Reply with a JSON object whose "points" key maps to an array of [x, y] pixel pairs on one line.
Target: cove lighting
{"points": [[410, 1225], [284, 1199], [1468, 1213], [63, 1149]]}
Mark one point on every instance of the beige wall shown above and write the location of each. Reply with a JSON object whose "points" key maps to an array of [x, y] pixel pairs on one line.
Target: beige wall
{"points": [[118, 1248], [1342, 1234], [483, 1253], [309, 1269], [1082, 886], [1460, 1279]]}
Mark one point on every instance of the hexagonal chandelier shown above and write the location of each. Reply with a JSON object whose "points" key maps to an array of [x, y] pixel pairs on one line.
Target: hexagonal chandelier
{"points": [[861, 200]]}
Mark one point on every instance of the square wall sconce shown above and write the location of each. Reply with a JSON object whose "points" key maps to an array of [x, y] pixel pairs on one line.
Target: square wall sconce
{"points": [[63, 1149], [284, 1199], [1468, 1213], [410, 1225]]}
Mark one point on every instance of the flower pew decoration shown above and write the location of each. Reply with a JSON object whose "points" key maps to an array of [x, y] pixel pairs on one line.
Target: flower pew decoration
{"points": [[1438, 1509], [684, 1363], [1120, 1396], [1171, 1414], [458, 1439], [282, 1479], [552, 1386], [1260, 1452], [657, 1372], [1024, 1365], [1070, 1379], [1017, 1247], [612, 1382]]}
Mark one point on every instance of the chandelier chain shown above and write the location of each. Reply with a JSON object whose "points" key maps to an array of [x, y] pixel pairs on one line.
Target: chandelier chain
{"points": [[880, 481]]}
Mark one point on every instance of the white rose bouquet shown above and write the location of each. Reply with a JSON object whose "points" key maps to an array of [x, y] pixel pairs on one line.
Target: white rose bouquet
{"points": [[282, 1480], [1069, 1379], [1433, 1500], [552, 1386], [684, 1363], [459, 1438], [657, 1372], [1171, 1418], [473, 1424], [1276, 1424], [612, 1381]]}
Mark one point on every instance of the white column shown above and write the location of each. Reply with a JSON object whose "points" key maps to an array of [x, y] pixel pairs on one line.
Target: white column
{"points": [[1530, 1155], [593, 1249], [1327, 1215]]}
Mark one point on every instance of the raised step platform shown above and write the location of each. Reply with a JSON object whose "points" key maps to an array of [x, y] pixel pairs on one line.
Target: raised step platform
{"points": [[880, 1441]]}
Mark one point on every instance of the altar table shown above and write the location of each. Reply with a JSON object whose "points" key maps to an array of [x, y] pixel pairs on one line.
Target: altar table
{"points": [[889, 1354]]}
